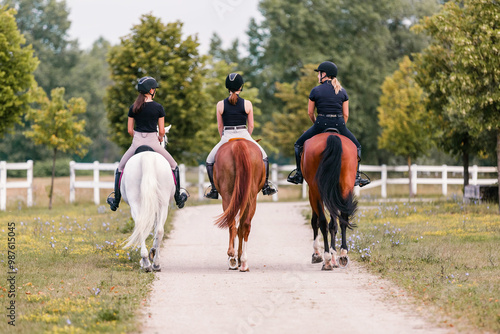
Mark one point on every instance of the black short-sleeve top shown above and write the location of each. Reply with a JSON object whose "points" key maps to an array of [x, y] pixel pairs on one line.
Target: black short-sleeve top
{"points": [[325, 99], [146, 120]]}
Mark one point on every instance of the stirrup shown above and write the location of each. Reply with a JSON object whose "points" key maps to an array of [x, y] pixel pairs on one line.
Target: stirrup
{"points": [[211, 193], [181, 199], [112, 202], [269, 189], [297, 178], [361, 182]]}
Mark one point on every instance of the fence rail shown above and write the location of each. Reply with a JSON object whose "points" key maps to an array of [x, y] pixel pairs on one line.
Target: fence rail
{"points": [[4, 185]]}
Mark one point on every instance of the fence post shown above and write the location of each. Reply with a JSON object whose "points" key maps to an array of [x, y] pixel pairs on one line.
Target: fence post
{"points": [[3, 185], [201, 180], [414, 179], [383, 186], [29, 173], [72, 181], [182, 174], [96, 182], [304, 189], [474, 175], [274, 179], [444, 179]]}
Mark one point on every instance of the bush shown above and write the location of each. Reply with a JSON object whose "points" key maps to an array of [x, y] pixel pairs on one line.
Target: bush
{"points": [[44, 168]]}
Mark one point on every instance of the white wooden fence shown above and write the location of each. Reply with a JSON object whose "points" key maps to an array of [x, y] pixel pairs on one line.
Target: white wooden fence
{"points": [[420, 175], [4, 185]]}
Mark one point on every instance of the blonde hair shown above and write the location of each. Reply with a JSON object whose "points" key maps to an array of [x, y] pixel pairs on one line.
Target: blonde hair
{"points": [[336, 85]]}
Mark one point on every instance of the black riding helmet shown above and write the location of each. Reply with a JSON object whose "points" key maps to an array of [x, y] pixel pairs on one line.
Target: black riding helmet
{"points": [[329, 68], [234, 82], [146, 84]]}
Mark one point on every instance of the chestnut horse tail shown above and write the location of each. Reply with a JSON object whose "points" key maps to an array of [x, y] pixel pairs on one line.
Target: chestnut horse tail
{"points": [[328, 180], [243, 176]]}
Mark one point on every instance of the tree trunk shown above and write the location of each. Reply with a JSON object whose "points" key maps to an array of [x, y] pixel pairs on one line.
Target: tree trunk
{"points": [[51, 192], [410, 181], [498, 166], [465, 162]]}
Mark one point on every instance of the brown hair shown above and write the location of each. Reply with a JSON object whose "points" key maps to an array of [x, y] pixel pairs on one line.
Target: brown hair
{"points": [[233, 98], [139, 102]]}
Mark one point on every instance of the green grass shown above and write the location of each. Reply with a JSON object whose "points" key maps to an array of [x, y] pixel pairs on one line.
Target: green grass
{"points": [[446, 254], [72, 274]]}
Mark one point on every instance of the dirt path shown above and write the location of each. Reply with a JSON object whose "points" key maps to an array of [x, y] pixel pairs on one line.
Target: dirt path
{"points": [[282, 293]]}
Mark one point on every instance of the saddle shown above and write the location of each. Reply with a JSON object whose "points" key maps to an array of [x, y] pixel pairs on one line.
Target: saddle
{"points": [[334, 130], [143, 148]]}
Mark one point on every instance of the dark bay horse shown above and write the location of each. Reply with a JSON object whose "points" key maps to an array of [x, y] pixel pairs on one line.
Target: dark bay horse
{"points": [[329, 164], [239, 175]]}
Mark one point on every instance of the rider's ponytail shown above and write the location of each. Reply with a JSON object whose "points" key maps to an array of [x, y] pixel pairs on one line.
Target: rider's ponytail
{"points": [[336, 85], [233, 98], [139, 102]]}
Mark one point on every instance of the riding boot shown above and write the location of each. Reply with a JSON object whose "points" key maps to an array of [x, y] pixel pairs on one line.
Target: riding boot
{"points": [[213, 194], [359, 181], [180, 198], [267, 189], [297, 178], [114, 202]]}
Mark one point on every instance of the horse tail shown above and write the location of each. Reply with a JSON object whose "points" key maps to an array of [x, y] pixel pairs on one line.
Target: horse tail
{"points": [[150, 201], [328, 180], [240, 198]]}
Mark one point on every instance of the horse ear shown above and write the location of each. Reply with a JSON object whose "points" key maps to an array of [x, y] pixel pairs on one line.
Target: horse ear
{"points": [[167, 128]]}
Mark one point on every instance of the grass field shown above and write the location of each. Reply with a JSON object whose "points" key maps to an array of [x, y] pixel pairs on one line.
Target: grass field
{"points": [[73, 276]]}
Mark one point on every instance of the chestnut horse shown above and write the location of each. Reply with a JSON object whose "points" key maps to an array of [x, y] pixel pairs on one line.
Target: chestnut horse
{"points": [[329, 165], [239, 175]]}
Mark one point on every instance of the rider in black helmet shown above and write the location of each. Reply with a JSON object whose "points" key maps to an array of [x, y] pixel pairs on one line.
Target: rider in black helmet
{"points": [[233, 116], [147, 116], [332, 104]]}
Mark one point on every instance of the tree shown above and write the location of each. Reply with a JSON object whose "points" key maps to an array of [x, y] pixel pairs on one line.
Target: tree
{"points": [[365, 39], [467, 33], [56, 126], [158, 50], [402, 116], [17, 65]]}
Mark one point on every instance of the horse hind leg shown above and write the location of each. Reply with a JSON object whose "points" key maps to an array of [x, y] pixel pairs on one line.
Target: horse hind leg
{"points": [[232, 260], [316, 256], [145, 264], [154, 253], [333, 228], [327, 257], [243, 232], [343, 258]]}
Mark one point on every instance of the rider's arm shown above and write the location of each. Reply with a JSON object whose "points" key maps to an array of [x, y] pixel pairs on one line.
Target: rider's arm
{"points": [[130, 126], [310, 110], [220, 122], [345, 110], [249, 111], [161, 128]]}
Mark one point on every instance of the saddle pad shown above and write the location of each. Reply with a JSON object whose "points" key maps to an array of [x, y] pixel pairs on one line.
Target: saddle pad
{"points": [[236, 139]]}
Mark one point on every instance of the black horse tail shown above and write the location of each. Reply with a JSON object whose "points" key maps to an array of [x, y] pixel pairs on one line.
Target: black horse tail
{"points": [[328, 180]]}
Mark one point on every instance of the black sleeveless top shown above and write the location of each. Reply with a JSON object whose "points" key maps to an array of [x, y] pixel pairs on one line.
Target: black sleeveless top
{"points": [[234, 115]]}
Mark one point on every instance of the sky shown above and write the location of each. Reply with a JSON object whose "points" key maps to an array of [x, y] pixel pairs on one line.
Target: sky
{"points": [[112, 19]]}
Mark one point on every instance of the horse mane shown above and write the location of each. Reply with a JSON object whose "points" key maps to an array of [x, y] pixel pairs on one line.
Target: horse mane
{"points": [[327, 178], [240, 198]]}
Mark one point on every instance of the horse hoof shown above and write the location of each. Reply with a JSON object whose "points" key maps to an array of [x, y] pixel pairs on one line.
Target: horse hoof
{"points": [[316, 258], [327, 267], [232, 262], [156, 268], [343, 261], [152, 254]]}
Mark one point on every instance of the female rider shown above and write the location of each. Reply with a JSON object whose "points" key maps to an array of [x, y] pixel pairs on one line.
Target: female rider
{"points": [[148, 116], [332, 103], [233, 115]]}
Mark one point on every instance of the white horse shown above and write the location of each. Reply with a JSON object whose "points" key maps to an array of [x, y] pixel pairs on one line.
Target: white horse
{"points": [[148, 187]]}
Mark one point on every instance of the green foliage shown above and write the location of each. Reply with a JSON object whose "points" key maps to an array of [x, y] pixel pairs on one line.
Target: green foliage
{"points": [[158, 50], [286, 126], [55, 124], [402, 115], [17, 65]]}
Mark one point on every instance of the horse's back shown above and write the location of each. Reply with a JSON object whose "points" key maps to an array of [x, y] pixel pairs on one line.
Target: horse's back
{"points": [[314, 147]]}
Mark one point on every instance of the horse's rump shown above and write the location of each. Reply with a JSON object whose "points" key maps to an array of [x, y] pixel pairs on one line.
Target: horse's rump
{"points": [[238, 173]]}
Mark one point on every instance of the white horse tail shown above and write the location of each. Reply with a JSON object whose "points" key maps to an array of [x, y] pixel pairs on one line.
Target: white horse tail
{"points": [[150, 201]]}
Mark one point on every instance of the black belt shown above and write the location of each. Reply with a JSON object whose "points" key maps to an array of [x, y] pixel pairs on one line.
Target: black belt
{"points": [[331, 115], [237, 127]]}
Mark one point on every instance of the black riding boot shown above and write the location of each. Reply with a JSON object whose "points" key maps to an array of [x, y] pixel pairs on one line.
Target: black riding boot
{"points": [[114, 202], [359, 181], [180, 199], [213, 194], [297, 177], [267, 189]]}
